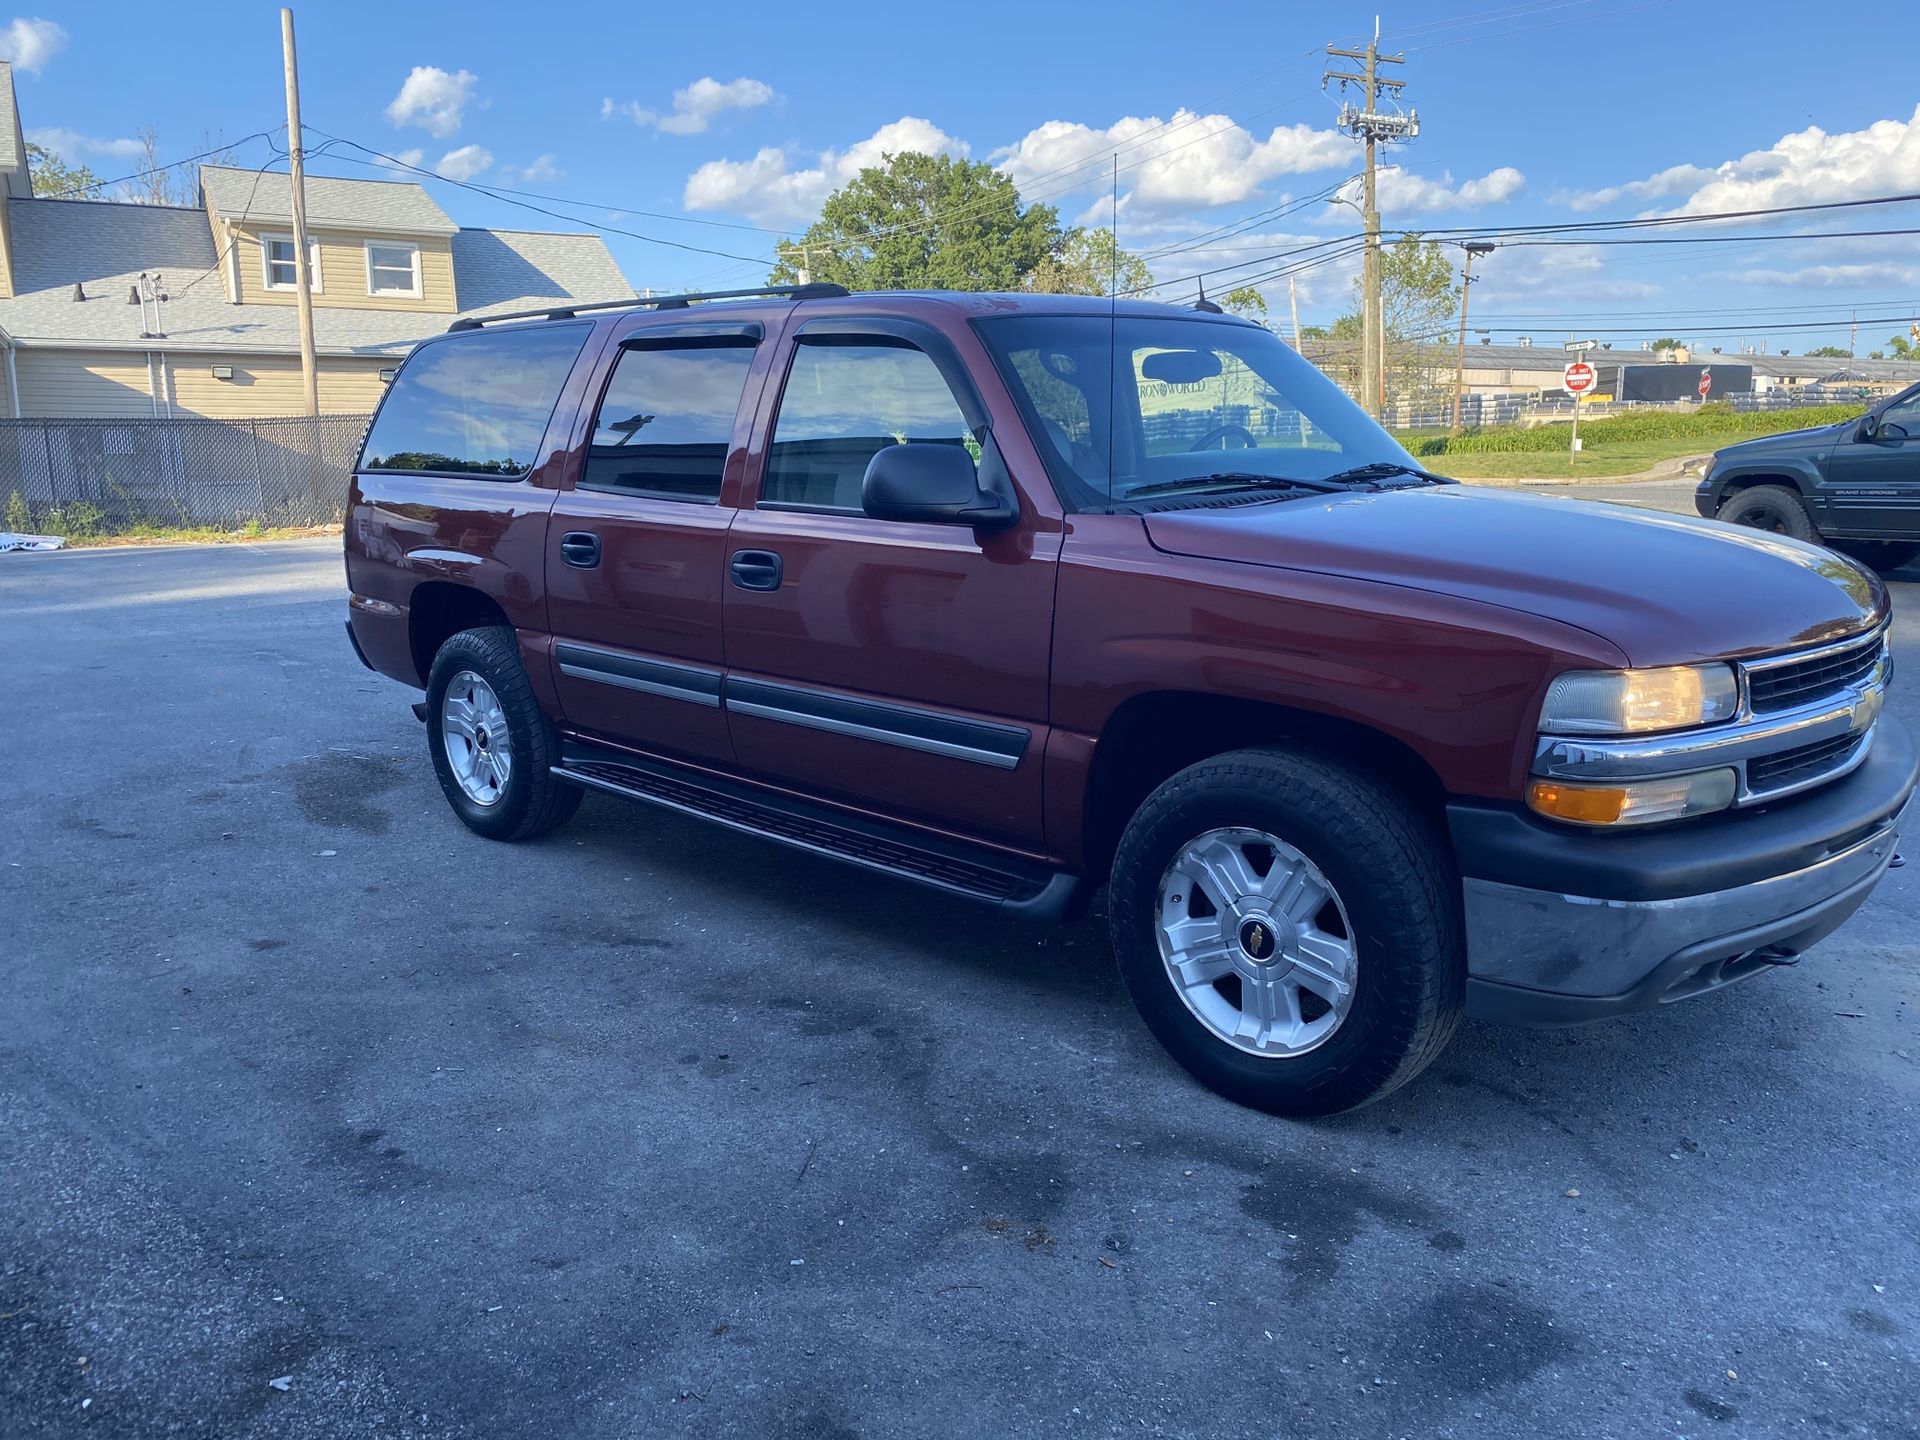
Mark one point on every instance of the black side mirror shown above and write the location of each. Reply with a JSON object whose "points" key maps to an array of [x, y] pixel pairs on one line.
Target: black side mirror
{"points": [[936, 485], [1869, 426]]}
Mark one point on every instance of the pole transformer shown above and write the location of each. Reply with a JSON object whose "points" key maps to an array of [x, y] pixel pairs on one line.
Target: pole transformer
{"points": [[1373, 127]]}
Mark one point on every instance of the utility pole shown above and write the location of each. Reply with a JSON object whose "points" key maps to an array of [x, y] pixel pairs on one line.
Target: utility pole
{"points": [[1372, 127], [1293, 300], [297, 170], [1473, 248]]}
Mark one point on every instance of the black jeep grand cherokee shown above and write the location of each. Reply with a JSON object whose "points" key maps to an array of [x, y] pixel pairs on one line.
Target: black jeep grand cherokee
{"points": [[1854, 486]]}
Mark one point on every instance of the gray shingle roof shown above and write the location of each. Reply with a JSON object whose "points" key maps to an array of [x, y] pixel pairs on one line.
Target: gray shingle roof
{"points": [[104, 246], [389, 205]]}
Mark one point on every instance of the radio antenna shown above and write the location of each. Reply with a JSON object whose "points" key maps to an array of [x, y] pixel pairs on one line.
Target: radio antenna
{"points": [[1113, 326]]}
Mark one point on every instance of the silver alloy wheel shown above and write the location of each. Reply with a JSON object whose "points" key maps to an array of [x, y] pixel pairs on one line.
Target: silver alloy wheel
{"points": [[473, 727], [1256, 942]]}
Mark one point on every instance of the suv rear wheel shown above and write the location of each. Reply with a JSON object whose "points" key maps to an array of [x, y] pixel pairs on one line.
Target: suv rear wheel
{"points": [[492, 747], [1290, 931]]}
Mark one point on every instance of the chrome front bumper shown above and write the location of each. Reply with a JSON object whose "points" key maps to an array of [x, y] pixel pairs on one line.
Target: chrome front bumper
{"points": [[1565, 926], [1540, 957]]}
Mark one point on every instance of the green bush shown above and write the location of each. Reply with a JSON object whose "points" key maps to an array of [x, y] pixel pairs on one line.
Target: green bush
{"points": [[1713, 424], [18, 517]]}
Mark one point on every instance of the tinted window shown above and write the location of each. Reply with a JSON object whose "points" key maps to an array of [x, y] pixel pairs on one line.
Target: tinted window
{"points": [[844, 403], [667, 420], [475, 404], [1190, 397]]}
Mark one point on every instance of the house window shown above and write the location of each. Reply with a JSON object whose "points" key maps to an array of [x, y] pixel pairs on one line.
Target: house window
{"points": [[393, 269], [277, 262]]}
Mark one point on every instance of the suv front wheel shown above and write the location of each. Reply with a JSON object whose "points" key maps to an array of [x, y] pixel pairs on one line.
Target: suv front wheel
{"points": [[492, 747], [1290, 930]]}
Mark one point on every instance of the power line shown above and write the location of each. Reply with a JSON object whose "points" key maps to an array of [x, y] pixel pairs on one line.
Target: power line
{"points": [[396, 163], [80, 191]]}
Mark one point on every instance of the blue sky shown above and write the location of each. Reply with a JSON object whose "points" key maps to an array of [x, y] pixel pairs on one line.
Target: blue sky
{"points": [[722, 119]]}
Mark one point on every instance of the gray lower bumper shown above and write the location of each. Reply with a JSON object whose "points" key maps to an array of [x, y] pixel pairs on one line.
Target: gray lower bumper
{"points": [[1544, 958]]}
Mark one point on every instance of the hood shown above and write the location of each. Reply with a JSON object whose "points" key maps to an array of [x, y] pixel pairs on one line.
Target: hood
{"points": [[1663, 589], [1789, 442]]}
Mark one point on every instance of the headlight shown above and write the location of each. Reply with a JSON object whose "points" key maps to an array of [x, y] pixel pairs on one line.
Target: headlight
{"points": [[1635, 702], [1634, 802]]}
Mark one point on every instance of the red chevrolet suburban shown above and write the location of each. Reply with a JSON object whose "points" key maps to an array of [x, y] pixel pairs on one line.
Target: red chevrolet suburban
{"points": [[1016, 595]]}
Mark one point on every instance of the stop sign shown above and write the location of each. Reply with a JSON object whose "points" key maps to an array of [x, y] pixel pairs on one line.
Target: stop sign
{"points": [[1579, 378], [1706, 383]]}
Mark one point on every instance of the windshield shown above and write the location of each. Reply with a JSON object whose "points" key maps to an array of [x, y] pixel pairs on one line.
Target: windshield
{"points": [[1189, 398]]}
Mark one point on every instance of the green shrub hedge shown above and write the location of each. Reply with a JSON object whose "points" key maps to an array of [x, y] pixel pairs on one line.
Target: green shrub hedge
{"points": [[1711, 423]]}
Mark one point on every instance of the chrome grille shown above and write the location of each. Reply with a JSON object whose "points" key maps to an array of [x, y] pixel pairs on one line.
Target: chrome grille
{"points": [[1786, 684], [1788, 769]]}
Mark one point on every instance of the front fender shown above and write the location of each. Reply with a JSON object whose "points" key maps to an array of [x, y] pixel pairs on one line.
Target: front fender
{"points": [[1800, 472]]}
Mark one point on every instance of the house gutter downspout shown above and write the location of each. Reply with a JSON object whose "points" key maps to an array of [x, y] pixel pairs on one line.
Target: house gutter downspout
{"points": [[153, 387], [13, 375]]}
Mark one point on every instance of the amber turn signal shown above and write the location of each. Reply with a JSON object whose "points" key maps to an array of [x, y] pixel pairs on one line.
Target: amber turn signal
{"points": [[1634, 802]]}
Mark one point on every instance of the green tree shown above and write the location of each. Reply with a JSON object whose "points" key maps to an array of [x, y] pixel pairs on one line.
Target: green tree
{"points": [[1829, 352], [1419, 298], [53, 178], [1246, 302], [924, 222], [1086, 262], [1667, 342], [1903, 348]]}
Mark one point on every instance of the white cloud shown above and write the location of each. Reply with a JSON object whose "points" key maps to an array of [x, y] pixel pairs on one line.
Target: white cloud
{"points": [[69, 144], [406, 158], [1807, 167], [1403, 192], [1189, 160], [768, 189], [1868, 274], [464, 163], [433, 99], [1665, 185], [695, 105], [541, 170], [30, 44]]}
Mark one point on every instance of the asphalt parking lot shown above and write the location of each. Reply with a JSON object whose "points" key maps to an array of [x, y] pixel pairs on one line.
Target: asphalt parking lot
{"points": [[649, 1129]]}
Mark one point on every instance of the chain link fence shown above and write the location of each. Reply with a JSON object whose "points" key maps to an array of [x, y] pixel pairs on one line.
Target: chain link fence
{"points": [[84, 478]]}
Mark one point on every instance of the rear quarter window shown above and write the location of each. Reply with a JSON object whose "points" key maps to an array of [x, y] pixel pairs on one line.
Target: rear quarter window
{"points": [[474, 404]]}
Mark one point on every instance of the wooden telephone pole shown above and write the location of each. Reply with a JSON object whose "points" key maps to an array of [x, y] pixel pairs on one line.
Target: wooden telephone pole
{"points": [[1473, 248], [1372, 127], [297, 172]]}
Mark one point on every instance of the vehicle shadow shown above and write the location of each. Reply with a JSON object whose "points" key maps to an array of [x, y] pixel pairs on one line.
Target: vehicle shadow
{"points": [[706, 864]]}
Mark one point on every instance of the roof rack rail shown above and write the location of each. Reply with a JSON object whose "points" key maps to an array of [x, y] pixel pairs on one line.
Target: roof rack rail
{"points": [[815, 290]]}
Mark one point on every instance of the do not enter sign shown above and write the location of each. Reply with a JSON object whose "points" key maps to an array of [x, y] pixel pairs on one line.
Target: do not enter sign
{"points": [[1579, 378]]}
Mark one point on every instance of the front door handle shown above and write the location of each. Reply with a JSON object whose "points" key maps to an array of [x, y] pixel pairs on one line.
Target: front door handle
{"points": [[580, 548], [756, 569]]}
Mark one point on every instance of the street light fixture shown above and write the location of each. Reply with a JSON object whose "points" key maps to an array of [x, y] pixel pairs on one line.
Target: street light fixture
{"points": [[1473, 248]]}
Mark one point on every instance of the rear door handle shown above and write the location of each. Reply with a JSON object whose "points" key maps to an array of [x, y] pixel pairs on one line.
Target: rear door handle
{"points": [[756, 569], [581, 548]]}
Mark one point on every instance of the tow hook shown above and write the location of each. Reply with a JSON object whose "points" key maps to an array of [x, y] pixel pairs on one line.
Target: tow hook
{"points": [[1897, 862]]}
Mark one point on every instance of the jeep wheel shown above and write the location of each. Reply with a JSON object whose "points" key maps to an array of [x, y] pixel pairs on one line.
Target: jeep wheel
{"points": [[1882, 555], [492, 748], [1773, 508], [1290, 930]]}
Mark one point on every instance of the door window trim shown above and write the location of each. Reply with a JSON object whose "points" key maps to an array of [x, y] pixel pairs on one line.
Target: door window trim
{"points": [[667, 336], [851, 330]]}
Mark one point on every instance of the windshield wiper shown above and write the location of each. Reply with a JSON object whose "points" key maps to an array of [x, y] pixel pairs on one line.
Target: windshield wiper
{"points": [[1220, 482], [1383, 470]]}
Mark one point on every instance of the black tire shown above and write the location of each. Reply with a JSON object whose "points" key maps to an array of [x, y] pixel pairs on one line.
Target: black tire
{"points": [[1882, 555], [531, 802], [1395, 877], [1776, 509]]}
